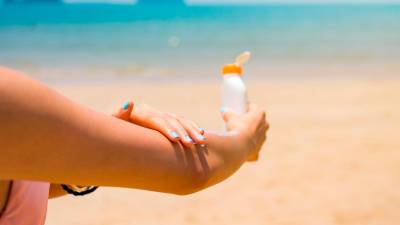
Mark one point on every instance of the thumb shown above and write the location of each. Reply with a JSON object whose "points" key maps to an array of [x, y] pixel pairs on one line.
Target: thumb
{"points": [[227, 114], [124, 113]]}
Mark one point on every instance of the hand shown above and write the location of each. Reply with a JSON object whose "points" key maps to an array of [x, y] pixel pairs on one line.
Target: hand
{"points": [[175, 128], [252, 125]]}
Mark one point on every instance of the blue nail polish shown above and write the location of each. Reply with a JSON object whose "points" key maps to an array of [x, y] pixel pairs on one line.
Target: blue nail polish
{"points": [[125, 106], [223, 110], [187, 138], [201, 137], [174, 134]]}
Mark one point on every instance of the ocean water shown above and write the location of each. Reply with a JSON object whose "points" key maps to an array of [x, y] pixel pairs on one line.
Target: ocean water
{"points": [[70, 42]]}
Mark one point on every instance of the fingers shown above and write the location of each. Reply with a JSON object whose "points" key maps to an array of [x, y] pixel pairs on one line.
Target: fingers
{"points": [[266, 126], [185, 138], [164, 128], [254, 110], [252, 107], [177, 131], [257, 112], [125, 111], [192, 130], [227, 114], [255, 156], [195, 127]]}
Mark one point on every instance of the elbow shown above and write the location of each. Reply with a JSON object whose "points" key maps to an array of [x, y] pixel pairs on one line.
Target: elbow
{"points": [[187, 191], [193, 183]]}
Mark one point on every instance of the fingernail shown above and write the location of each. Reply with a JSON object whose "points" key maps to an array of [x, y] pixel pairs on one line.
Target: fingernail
{"points": [[125, 106], [201, 137], [189, 139], [223, 110], [202, 130], [174, 134]]}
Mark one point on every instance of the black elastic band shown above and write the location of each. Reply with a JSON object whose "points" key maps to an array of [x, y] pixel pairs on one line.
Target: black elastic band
{"points": [[77, 193]]}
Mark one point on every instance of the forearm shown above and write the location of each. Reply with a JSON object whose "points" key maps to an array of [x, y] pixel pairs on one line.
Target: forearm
{"points": [[207, 167], [46, 137], [224, 155]]}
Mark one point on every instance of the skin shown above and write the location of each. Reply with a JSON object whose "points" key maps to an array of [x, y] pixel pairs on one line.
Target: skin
{"points": [[149, 117], [46, 137], [186, 132], [4, 190]]}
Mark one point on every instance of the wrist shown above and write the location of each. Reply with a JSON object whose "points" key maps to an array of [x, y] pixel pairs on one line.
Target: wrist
{"points": [[241, 141]]}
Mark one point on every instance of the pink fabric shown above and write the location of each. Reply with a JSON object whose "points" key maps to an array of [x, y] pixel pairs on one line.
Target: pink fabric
{"points": [[27, 204]]}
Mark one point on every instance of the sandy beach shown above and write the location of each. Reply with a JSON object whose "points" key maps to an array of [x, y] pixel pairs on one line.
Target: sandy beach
{"points": [[326, 72], [332, 158]]}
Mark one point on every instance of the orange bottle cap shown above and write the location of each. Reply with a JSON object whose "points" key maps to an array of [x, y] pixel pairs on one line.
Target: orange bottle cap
{"points": [[231, 68]]}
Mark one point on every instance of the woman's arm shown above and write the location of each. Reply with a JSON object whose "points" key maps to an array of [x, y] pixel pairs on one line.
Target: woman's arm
{"points": [[44, 136]]}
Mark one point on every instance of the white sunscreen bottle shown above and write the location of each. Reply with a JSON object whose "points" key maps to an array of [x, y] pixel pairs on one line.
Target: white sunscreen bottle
{"points": [[233, 90]]}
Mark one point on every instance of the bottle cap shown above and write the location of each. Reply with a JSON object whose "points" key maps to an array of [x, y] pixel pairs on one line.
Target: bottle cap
{"points": [[236, 68], [231, 68]]}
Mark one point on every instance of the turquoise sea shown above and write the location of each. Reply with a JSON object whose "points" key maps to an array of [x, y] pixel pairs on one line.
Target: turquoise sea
{"points": [[87, 41]]}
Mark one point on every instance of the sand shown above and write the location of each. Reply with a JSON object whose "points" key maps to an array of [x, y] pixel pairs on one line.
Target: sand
{"points": [[332, 157]]}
